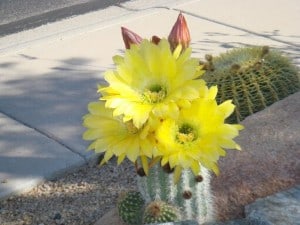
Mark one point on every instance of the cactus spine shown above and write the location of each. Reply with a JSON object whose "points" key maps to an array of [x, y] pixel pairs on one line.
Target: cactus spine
{"points": [[253, 77], [130, 207], [160, 212], [191, 194]]}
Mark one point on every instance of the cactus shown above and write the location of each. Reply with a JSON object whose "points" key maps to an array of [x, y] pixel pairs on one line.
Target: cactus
{"points": [[160, 212], [190, 194], [130, 207], [253, 77]]}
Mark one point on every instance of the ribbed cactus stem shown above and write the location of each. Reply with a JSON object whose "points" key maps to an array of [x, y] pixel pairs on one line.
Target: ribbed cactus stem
{"points": [[252, 77], [191, 194], [130, 207]]}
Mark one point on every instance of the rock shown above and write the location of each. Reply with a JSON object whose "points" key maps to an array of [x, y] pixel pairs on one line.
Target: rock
{"points": [[278, 209], [187, 222], [233, 222], [268, 162], [110, 218], [281, 208], [57, 216], [239, 222]]}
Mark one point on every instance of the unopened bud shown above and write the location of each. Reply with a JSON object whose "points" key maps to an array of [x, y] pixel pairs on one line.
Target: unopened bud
{"points": [[167, 168], [179, 34], [208, 57], [235, 67], [155, 39], [265, 50], [141, 172], [187, 194], [130, 37], [198, 178]]}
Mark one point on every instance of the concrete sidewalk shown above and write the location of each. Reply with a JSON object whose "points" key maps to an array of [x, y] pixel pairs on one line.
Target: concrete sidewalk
{"points": [[49, 74]]}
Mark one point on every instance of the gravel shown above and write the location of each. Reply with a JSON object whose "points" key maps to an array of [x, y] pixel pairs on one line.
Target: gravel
{"points": [[79, 197]]}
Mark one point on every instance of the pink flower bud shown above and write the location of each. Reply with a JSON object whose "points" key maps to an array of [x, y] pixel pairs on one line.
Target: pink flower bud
{"points": [[180, 33], [130, 37]]}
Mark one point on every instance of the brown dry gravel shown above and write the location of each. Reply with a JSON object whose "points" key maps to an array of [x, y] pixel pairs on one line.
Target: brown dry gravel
{"points": [[80, 197], [83, 196]]}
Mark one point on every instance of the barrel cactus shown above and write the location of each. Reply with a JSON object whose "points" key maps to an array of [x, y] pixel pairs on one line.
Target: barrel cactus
{"points": [[160, 212], [130, 207], [253, 77]]}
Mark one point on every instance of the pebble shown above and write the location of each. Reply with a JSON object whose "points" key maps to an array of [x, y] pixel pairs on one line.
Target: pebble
{"points": [[57, 216]]}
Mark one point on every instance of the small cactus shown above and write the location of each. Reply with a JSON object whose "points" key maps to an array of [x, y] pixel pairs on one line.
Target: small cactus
{"points": [[191, 194], [253, 77], [160, 212], [130, 207]]}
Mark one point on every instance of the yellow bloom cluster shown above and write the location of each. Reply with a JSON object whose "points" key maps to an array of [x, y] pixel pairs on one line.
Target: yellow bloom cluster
{"points": [[156, 109]]}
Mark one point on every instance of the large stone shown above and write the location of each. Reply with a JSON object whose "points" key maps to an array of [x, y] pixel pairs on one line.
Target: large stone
{"points": [[187, 222], [235, 222], [278, 209], [239, 222], [110, 218]]}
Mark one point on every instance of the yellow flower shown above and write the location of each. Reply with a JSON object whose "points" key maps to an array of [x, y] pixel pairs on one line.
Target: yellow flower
{"points": [[114, 137], [150, 79], [198, 136]]}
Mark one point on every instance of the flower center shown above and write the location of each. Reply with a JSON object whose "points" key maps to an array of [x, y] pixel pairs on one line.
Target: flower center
{"points": [[131, 128], [186, 133], [155, 93]]}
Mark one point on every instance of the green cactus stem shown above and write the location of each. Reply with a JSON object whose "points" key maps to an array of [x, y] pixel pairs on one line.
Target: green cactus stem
{"points": [[160, 212], [253, 77], [191, 194], [130, 207]]}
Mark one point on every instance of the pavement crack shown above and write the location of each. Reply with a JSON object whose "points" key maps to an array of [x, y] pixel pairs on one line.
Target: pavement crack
{"points": [[46, 134], [236, 27]]}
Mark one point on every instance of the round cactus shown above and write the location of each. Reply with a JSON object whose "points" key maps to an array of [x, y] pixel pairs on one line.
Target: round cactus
{"points": [[130, 207], [160, 212], [253, 77]]}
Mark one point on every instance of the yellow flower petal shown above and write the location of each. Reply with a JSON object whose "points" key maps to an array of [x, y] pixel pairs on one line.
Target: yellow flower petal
{"points": [[177, 174], [177, 51], [121, 158], [115, 137], [198, 135], [151, 79], [145, 164]]}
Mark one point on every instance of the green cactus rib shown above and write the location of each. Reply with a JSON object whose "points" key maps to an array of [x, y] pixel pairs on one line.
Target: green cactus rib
{"points": [[160, 212], [130, 207], [253, 77], [192, 196]]}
